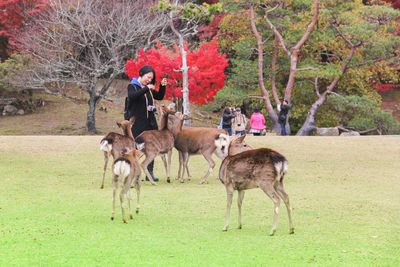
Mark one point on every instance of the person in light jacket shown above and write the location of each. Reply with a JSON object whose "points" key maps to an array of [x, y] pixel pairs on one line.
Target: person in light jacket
{"points": [[239, 123]]}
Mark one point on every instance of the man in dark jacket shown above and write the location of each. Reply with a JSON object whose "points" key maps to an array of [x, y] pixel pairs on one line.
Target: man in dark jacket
{"points": [[141, 96], [283, 112]]}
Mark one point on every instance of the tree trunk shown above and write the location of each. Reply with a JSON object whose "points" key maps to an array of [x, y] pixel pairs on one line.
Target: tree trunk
{"points": [[275, 126], [293, 55], [267, 102], [184, 69], [185, 82], [179, 104], [308, 125], [93, 101]]}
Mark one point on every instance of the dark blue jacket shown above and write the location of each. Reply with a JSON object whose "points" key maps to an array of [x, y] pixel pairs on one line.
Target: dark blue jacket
{"points": [[139, 98]]}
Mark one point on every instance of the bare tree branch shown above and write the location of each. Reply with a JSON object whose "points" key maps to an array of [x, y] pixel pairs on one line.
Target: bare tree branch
{"points": [[307, 68], [265, 96], [83, 41], [316, 86], [277, 33]]}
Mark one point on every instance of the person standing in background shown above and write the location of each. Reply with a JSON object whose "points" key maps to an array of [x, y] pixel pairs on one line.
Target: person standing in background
{"points": [[283, 112], [227, 117], [239, 123], [257, 122]]}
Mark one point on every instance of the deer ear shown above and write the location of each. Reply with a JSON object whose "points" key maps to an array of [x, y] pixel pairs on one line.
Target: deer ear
{"points": [[179, 115], [241, 138], [119, 124], [132, 120]]}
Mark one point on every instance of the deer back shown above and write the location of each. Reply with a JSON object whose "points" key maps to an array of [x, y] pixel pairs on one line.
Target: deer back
{"points": [[248, 169]]}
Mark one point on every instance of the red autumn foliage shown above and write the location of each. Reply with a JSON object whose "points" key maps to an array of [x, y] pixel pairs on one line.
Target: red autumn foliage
{"points": [[13, 14], [206, 70], [210, 2], [209, 31], [395, 3], [386, 87]]}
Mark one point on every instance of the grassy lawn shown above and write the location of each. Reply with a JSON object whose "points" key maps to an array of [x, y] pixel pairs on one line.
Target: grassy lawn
{"points": [[345, 193]]}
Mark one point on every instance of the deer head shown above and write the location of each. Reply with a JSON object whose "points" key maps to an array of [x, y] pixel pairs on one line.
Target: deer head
{"points": [[238, 145]]}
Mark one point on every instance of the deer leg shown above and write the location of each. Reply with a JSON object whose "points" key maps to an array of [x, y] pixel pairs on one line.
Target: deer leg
{"points": [[121, 198], [229, 195], [106, 157], [144, 165], [115, 186], [129, 197], [187, 170], [127, 186], [169, 165], [208, 157], [281, 191], [240, 201], [180, 165], [138, 185], [165, 166], [185, 159], [273, 195]]}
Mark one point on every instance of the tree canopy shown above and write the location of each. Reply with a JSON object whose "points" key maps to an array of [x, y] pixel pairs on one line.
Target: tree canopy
{"points": [[253, 54], [206, 70]]}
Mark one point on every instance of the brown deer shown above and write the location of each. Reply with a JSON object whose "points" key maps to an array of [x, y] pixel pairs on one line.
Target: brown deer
{"points": [[126, 169], [198, 140], [114, 143], [246, 168], [157, 142]]}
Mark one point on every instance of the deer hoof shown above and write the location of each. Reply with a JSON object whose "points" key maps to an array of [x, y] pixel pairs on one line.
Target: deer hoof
{"points": [[272, 232], [291, 231], [131, 216], [112, 218], [125, 221], [102, 187], [168, 180], [137, 211]]}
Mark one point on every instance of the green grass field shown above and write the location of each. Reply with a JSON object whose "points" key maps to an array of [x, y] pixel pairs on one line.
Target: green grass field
{"points": [[345, 193]]}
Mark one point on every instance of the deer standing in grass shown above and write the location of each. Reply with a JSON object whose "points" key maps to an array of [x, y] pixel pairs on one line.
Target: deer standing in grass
{"points": [[115, 143], [246, 168], [155, 142], [126, 169], [197, 140]]}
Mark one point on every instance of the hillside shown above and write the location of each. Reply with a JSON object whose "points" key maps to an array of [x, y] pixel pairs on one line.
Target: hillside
{"points": [[65, 116]]}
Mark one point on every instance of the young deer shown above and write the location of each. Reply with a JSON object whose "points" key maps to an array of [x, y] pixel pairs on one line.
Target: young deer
{"points": [[198, 140], [246, 168], [126, 169], [114, 143], [155, 142]]}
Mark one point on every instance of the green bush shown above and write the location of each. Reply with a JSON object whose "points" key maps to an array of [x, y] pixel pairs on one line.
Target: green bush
{"points": [[362, 113]]}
